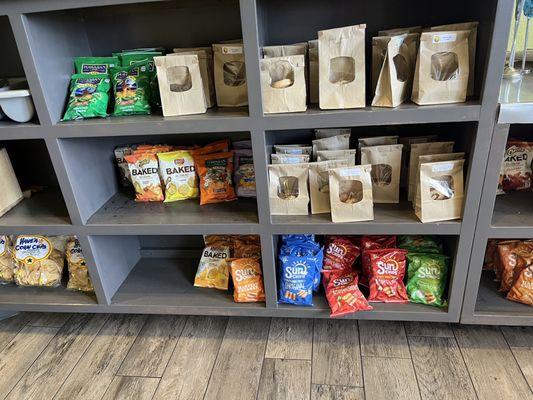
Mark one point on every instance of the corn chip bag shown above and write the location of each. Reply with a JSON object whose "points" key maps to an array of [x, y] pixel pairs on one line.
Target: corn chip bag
{"points": [[215, 171], [78, 274], [213, 269], [179, 176], [247, 280], [145, 176]]}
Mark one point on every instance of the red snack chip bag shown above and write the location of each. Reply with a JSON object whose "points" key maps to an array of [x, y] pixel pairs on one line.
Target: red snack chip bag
{"points": [[388, 271], [373, 242], [340, 253], [343, 294]]}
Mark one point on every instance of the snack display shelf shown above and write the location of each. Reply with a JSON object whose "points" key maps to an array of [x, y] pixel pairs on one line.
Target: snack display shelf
{"points": [[513, 215], [49, 33]]}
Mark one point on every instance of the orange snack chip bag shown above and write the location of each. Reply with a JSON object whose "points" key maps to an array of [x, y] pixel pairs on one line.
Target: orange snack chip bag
{"points": [[247, 280], [220, 146], [522, 290], [215, 171], [144, 170], [247, 249]]}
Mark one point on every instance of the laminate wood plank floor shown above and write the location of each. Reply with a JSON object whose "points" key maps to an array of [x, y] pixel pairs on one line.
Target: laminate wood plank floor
{"points": [[108, 357]]}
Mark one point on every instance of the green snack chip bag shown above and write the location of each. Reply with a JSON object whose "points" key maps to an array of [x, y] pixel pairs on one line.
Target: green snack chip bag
{"points": [[426, 278], [419, 244], [133, 57], [95, 65], [131, 86], [89, 96]]}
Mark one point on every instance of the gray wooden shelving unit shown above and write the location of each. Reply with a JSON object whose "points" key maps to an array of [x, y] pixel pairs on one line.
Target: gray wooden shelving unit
{"points": [[139, 255]]}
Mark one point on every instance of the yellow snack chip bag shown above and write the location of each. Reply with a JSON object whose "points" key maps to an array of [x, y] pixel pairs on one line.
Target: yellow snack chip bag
{"points": [[213, 271], [179, 176]]}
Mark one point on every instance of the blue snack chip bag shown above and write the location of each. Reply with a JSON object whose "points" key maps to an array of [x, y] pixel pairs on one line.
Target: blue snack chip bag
{"points": [[296, 281]]}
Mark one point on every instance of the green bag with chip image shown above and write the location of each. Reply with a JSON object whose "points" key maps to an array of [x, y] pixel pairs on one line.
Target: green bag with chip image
{"points": [[419, 244], [426, 278], [133, 57], [131, 86], [89, 96]]}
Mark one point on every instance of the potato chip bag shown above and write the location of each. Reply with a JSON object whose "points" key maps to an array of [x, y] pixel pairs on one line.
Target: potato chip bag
{"points": [[373, 242], [522, 290], [88, 98], [343, 294], [124, 170], [386, 279], [244, 176], [6, 261], [247, 280], [95, 65], [340, 253], [39, 260], [178, 174], [220, 146], [247, 249], [78, 274], [420, 243], [220, 240], [426, 278], [131, 86], [144, 170], [215, 172], [213, 269]]}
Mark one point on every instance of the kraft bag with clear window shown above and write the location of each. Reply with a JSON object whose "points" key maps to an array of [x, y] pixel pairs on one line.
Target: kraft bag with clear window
{"points": [[429, 159], [319, 183], [313, 71], [283, 84], [350, 194], [386, 163], [180, 85], [472, 39], [296, 49], [287, 189], [407, 141], [230, 75], [393, 62], [400, 31], [441, 191], [205, 57], [290, 158], [341, 56], [423, 149], [339, 142], [442, 68], [326, 155]]}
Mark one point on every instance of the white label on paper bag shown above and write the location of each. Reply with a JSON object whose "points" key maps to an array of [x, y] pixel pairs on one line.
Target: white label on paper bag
{"points": [[442, 167], [350, 172], [445, 38], [232, 50]]}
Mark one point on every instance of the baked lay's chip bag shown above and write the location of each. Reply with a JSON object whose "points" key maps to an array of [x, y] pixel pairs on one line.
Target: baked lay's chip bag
{"points": [[247, 280], [339, 253], [144, 171], [213, 271], [179, 176], [215, 172], [388, 271], [343, 294]]}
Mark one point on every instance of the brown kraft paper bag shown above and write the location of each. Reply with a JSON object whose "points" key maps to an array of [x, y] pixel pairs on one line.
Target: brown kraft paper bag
{"points": [[205, 57], [313, 71], [429, 159], [339, 142], [393, 62], [350, 193], [287, 189], [326, 155], [386, 162], [283, 84], [400, 31], [329, 132], [472, 39], [297, 49], [230, 75], [290, 158], [407, 141], [423, 149], [441, 72], [341, 56], [180, 85], [319, 183], [441, 191]]}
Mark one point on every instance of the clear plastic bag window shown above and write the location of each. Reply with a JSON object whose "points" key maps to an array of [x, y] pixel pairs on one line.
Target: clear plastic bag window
{"points": [[402, 67], [350, 191], [281, 74], [444, 66], [381, 174], [179, 79], [288, 188], [234, 73], [341, 70], [441, 188]]}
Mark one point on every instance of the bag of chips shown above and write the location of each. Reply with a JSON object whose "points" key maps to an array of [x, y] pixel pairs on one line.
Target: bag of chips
{"points": [[220, 146], [123, 169], [78, 274], [343, 294], [386, 279], [247, 280], [178, 174], [6, 260], [340, 253], [522, 290], [144, 170], [221, 240], [426, 278], [39, 260], [215, 172], [213, 269], [420, 244], [373, 242], [95, 65], [88, 98], [131, 86], [246, 247], [507, 262], [244, 176]]}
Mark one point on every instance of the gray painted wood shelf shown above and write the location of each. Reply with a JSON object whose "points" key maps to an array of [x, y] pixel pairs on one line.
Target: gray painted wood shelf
{"points": [[114, 230]]}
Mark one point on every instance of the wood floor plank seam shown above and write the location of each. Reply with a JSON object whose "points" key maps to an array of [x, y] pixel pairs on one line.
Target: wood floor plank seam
{"points": [[215, 362], [22, 326], [360, 360], [263, 363], [515, 359], [172, 353], [312, 349], [412, 362], [467, 369], [128, 352]]}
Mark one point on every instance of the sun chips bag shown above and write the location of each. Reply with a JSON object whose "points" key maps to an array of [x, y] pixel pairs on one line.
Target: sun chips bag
{"points": [[343, 294], [247, 280]]}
